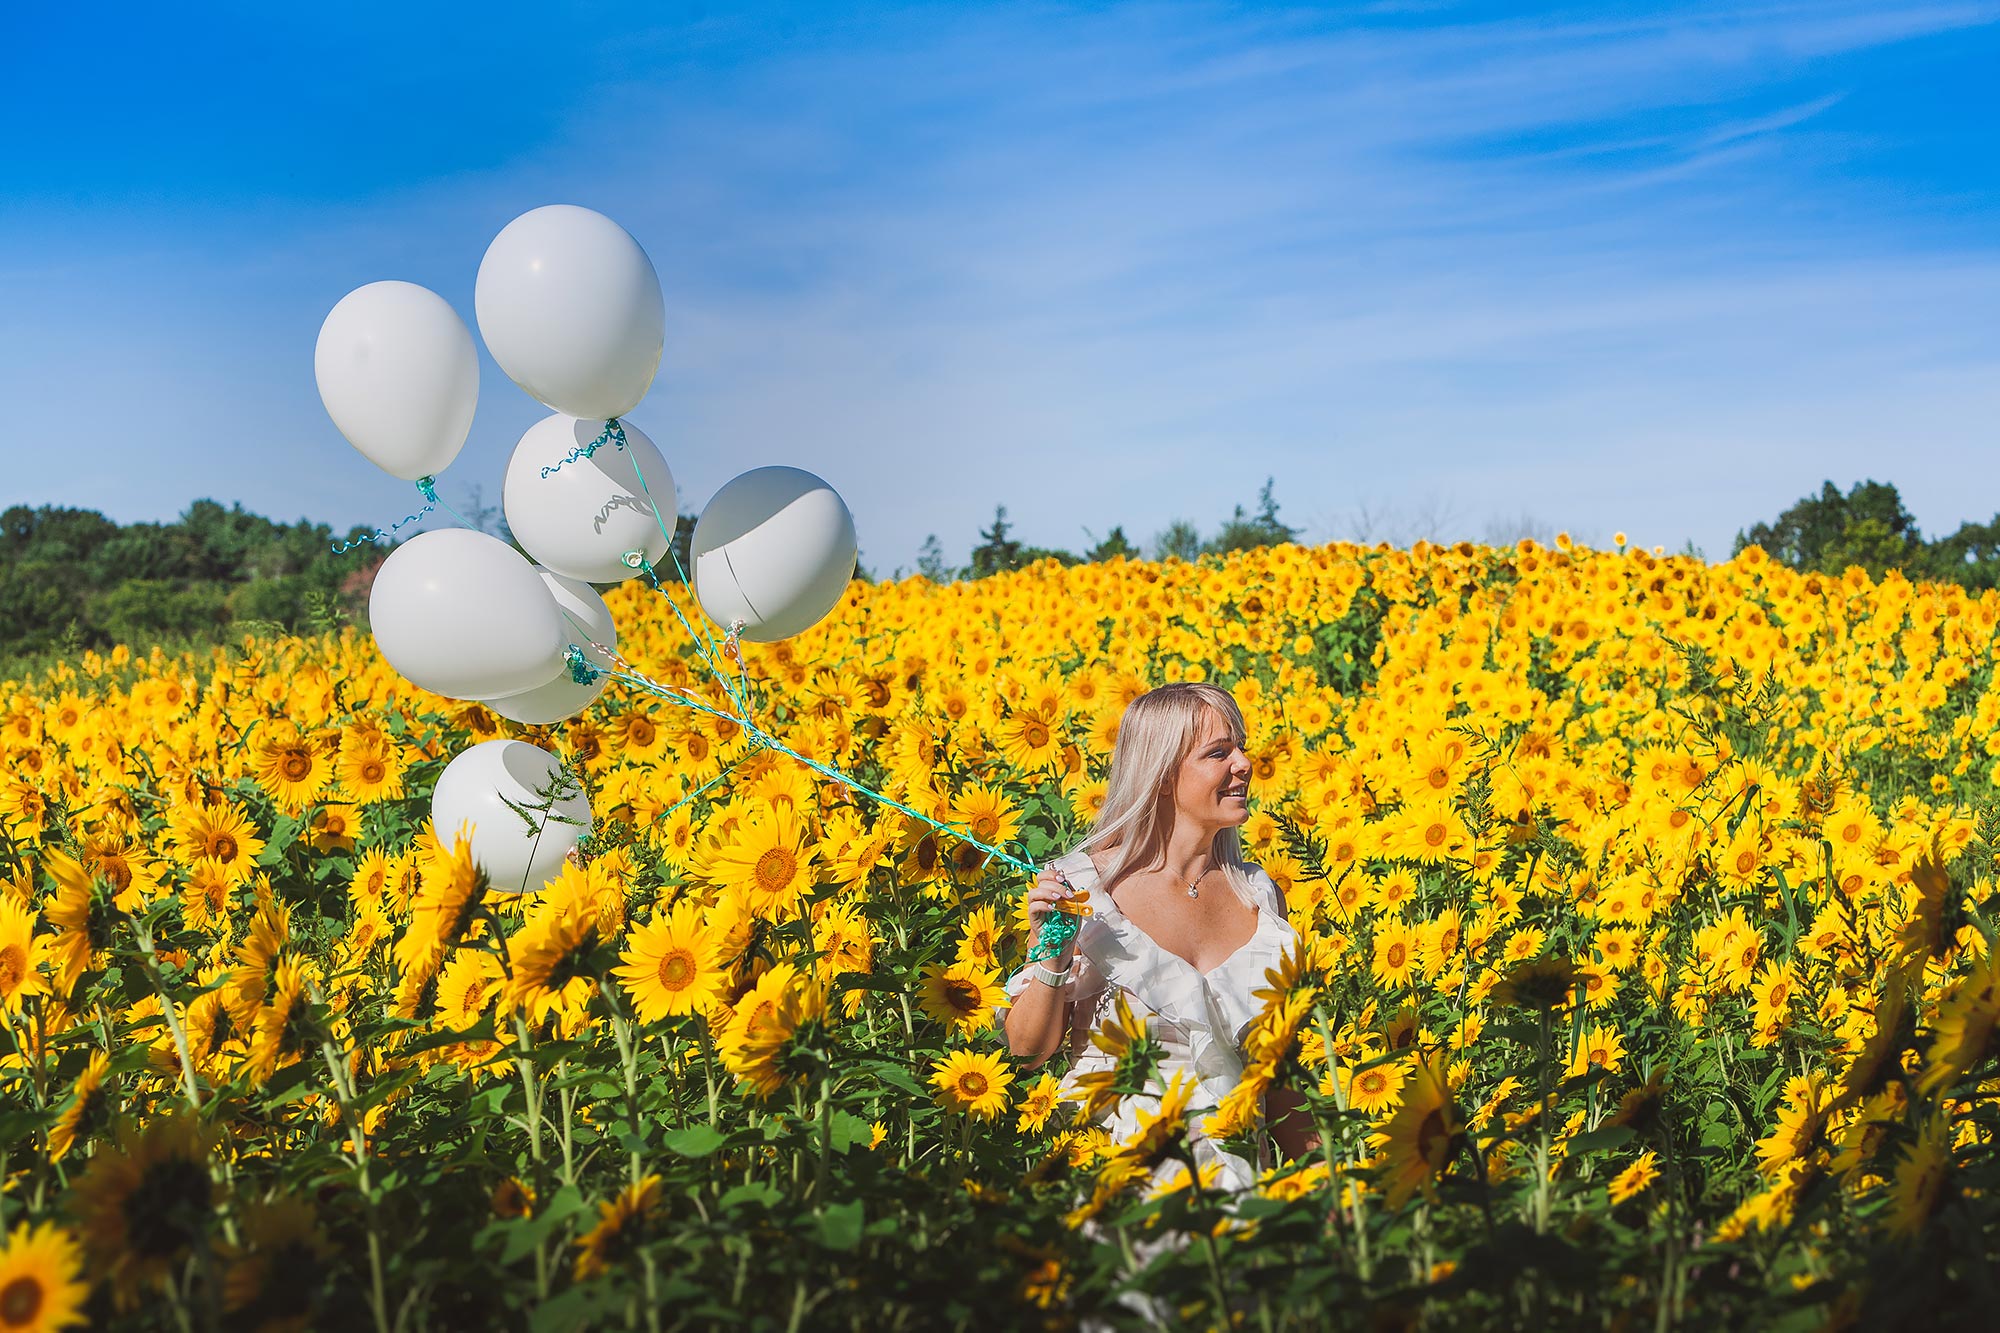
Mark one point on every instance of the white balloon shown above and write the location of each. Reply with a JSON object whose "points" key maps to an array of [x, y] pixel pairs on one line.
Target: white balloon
{"points": [[399, 376], [775, 548], [570, 307], [582, 518], [587, 617], [520, 854], [462, 614]]}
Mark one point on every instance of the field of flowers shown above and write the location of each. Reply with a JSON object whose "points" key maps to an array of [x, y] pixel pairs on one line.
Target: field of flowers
{"points": [[1648, 977]]}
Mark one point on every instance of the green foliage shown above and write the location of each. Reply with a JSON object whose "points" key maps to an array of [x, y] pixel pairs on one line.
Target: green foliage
{"points": [[71, 579], [1869, 527]]}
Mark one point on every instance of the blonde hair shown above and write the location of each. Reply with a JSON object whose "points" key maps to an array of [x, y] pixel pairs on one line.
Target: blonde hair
{"points": [[1155, 734]]}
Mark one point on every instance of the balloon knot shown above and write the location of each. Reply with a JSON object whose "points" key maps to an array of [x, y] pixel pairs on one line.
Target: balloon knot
{"points": [[580, 669], [428, 485], [633, 559]]}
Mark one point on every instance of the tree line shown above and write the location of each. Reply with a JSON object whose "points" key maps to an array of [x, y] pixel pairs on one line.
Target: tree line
{"points": [[72, 579], [1869, 527]]}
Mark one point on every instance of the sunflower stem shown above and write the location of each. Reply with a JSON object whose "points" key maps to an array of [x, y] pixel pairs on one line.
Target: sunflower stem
{"points": [[144, 933], [1542, 1072], [343, 1091]]}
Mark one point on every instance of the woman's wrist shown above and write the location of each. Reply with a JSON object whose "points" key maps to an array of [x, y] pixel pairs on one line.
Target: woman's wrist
{"points": [[1054, 978]]}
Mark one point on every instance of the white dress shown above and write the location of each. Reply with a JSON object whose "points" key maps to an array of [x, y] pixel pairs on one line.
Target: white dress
{"points": [[1198, 1018]]}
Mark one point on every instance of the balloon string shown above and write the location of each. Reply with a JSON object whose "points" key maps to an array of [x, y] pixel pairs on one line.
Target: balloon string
{"points": [[706, 645], [613, 432], [427, 485], [765, 738]]}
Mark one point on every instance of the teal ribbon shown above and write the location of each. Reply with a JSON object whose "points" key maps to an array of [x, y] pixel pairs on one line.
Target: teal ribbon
{"points": [[613, 432], [1058, 929], [428, 486]]}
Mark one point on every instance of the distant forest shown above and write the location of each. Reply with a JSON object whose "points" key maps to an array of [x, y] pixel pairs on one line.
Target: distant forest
{"points": [[71, 579]]}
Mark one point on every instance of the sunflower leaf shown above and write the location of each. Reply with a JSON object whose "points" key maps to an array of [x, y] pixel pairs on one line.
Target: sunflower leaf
{"points": [[694, 1140]]}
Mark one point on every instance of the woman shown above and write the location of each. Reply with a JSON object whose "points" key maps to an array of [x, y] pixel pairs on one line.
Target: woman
{"points": [[1180, 925]]}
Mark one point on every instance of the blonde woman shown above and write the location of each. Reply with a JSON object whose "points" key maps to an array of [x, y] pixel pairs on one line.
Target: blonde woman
{"points": [[1181, 925]]}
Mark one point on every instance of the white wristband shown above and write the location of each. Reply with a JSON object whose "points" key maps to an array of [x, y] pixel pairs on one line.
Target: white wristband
{"points": [[1058, 979]]}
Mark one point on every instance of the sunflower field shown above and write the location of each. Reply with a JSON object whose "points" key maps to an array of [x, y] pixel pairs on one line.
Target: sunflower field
{"points": [[1647, 975]]}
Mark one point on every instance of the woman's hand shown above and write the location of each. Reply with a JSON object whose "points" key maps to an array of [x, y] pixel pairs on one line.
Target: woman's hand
{"points": [[1051, 887]]}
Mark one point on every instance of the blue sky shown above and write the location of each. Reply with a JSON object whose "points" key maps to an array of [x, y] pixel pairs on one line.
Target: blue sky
{"points": [[1437, 268]]}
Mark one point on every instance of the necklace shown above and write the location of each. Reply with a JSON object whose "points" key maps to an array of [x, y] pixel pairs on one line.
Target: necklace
{"points": [[1193, 892]]}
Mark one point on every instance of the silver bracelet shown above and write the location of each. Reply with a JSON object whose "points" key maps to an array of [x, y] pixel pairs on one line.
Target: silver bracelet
{"points": [[1056, 979]]}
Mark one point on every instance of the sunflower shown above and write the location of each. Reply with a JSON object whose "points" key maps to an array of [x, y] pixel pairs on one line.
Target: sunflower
{"points": [[977, 943], [552, 962], [972, 1082], [220, 831], [467, 987], [623, 1222], [673, 965], [272, 1283], [1161, 1129], [1921, 1177], [768, 858], [293, 768], [776, 1034], [985, 814], [1037, 1103], [1538, 983], [447, 902], [962, 996], [1395, 953], [1419, 1140], [1376, 1088], [83, 913], [205, 898], [21, 954], [369, 772], [39, 1287], [1635, 1178], [333, 828], [89, 1111], [282, 1030], [1030, 741], [1966, 1024], [143, 1203], [1127, 1038]]}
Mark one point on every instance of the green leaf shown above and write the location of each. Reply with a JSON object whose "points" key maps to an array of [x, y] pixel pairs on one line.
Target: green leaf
{"points": [[755, 1191], [848, 1130], [1601, 1139], [694, 1140], [840, 1225]]}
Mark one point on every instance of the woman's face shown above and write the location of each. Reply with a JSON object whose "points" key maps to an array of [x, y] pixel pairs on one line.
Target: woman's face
{"points": [[1213, 787]]}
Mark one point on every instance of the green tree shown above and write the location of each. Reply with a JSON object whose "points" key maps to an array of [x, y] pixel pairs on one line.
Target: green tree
{"points": [[1241, 532], [996, 550], [1826, 533], [1114, 544], [1179, 538]]}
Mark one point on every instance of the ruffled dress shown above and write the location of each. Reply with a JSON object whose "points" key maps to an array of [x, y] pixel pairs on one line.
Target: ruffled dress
{"points": [[1199, 1018]]}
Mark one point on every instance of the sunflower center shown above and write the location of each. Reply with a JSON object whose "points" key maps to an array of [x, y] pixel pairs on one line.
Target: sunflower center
{"points": [[775, 869], [296, 766], [1431, 1136], [1434, 835], [961, 995], [986, 826], [13, 967], [1373, 1083], [1397, 953], [373, 771], [222, 847], [1036, 734], [972, 1083], [676, 970], [20, 1302], [165, 1207], [640, 733]]}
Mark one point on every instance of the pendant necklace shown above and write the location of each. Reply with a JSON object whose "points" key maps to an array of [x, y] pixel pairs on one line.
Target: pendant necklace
{"points": [[1193, 892]]}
